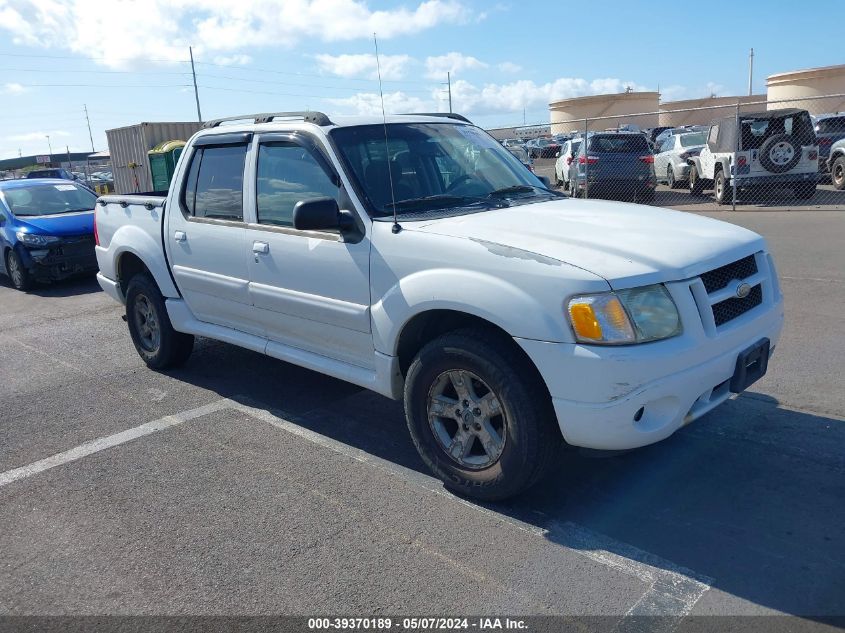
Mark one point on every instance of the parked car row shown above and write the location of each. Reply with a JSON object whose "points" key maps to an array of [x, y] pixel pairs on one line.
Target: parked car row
{"points": [[775, 150]]}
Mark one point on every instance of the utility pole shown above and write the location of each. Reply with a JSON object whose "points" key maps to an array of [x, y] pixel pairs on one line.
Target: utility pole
{"points": [[91, 136], [50, 146], [69, 164], [449, 82], [196, 92], [750, 72]]}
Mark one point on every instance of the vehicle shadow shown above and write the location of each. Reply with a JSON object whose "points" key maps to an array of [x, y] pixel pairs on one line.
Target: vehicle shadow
{"points": [[65, 288], [749, 496]]}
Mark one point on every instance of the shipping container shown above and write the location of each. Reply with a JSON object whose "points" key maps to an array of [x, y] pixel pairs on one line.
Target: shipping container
{"points": [[129, 145]]}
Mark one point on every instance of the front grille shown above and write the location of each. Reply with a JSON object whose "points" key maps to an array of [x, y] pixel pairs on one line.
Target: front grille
{"points": [[730, 309], [720, 277]]}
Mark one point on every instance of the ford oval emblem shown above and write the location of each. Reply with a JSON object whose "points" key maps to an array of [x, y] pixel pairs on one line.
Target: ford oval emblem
{"points": [[743, 290]]}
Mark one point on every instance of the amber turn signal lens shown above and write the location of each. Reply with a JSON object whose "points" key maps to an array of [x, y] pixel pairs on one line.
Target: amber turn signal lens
{"points": [[584, 321]]}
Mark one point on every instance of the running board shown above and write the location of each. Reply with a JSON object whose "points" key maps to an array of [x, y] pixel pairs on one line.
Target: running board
{"points": [[385, 380]]}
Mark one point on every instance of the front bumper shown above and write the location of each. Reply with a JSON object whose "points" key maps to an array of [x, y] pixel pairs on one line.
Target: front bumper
{"points": [[74, 256], [598, 392]]}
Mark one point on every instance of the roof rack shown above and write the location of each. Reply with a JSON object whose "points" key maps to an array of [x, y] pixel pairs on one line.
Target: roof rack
{"points": [[309, 116], [447, 115]]}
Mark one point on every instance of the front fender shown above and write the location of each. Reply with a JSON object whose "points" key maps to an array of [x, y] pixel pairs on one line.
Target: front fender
{"points": [[479, 294], [132, 239]]}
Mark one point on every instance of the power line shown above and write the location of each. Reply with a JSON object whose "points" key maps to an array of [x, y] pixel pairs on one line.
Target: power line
{"points": [[99, 72]]}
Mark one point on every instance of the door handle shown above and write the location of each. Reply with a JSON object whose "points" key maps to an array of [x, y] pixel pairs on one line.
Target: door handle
{"points": [[180, 236], [261, 248]]}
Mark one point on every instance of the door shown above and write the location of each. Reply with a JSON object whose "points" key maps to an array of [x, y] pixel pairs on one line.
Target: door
{"points": [[707, 159], [310, 290], [206, 234]]}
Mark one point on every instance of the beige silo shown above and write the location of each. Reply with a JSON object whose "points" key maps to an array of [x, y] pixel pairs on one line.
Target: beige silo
{"points": [[565, 113]]}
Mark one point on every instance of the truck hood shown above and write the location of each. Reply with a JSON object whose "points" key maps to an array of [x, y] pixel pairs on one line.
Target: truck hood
{"points": [[60, 225], [626, 244]]}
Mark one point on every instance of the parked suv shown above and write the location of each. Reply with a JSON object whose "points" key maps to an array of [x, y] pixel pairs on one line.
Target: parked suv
{"points": [[616, 164], [415, 256], [774, 148], [829, 128], [836, 164]]}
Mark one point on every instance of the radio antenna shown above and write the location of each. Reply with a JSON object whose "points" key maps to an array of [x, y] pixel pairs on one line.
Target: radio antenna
{"points": [[396, 228]]}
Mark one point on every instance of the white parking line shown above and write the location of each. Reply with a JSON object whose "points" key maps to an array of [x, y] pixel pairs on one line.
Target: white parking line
{"points": [[672, 591], [109, 441]]}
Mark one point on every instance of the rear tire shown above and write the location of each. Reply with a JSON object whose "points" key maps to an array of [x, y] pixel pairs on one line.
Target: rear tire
{"points": [[18, 274], [670, 178], [721, 191], [837, 173], [158, 344], [480, 416], [805, 191]]}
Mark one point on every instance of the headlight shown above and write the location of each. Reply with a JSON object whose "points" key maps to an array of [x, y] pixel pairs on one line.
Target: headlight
{"points": [[637, 315], [32, 239]]}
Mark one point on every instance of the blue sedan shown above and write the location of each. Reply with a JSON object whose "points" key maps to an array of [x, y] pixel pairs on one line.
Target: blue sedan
{"points": [[46, 230]]}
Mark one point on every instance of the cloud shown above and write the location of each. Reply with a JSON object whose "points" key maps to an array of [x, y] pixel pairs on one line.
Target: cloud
{"points": [[38, 136], [492, 98], [14, 88], [454, 63], [233, 60], [121, 33], [369, 103], [364, 66], [509, 67]]}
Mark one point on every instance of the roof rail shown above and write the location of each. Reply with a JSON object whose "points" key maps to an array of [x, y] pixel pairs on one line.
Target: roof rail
{"points": [[447, 115], [309, 116]]}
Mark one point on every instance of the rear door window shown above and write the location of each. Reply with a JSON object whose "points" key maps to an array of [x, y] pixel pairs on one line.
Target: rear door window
{"points": [[215, 183]]}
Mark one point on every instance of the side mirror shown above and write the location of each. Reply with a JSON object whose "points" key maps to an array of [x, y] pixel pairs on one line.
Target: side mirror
{"points": [[557, 155], [546, 182], [316, 214]]}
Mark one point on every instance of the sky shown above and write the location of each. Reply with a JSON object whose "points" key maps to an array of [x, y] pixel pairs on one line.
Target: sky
{"points": [[128, 60]]}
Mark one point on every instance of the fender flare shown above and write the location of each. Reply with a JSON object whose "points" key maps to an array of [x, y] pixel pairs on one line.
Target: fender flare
{"points": [[131, 239]]}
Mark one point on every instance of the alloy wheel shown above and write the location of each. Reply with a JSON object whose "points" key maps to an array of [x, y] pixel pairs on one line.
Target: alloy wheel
{"points": [[467, 419]]}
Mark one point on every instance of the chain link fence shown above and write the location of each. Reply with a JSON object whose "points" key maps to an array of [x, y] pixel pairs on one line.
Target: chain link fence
{"points": [[755, 154]]}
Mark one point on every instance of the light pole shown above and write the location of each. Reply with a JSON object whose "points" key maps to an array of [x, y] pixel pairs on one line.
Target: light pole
{"points": [[50, 146]]}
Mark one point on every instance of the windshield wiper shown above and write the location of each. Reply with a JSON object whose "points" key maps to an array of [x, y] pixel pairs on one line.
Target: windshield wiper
{"points": [[447, 200], [504, 191], [75, 210]]}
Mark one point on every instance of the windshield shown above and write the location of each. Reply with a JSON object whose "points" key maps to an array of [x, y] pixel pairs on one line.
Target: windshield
{"points": [[691, 140], [432, 165], [618, 144], [48, 199]]}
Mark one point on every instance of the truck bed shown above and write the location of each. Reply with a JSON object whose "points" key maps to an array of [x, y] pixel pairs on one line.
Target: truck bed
{"points": [[138, 218]]}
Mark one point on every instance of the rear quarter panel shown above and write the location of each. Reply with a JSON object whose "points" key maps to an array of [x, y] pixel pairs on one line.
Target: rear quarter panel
{"points": [[134, 228]]}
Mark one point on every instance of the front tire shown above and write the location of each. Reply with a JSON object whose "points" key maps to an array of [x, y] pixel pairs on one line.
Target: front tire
{"points": [[479, 415], [158, 344], [18, 274]]}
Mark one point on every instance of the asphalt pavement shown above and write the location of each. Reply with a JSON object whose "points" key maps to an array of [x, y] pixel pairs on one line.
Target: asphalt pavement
{"points": [[239, 484]]}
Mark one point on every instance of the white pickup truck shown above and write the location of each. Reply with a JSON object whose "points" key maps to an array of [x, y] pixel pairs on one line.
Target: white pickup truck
{"points": [[416, 257]]}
